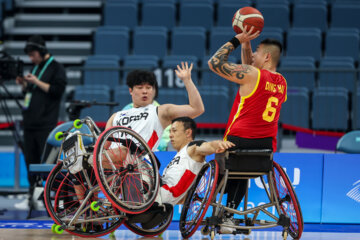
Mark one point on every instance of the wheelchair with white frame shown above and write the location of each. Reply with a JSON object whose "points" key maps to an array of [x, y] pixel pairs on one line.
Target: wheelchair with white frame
{"points": [[244, 164], [102, 180]]}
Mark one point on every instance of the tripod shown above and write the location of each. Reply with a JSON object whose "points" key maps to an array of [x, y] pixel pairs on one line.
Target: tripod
{"points": [[15, 130]]}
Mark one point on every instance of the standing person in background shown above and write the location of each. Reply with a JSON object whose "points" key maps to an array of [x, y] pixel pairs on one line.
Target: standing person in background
{"points": [[43, 88], [253, 120]]}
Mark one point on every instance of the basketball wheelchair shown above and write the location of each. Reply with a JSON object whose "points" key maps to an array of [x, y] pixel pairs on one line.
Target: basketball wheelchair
{"points": [[241, 164], [102, 180]]}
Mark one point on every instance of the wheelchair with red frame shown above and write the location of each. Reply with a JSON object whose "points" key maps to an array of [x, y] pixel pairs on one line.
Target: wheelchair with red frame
{"points": [[206, 196], [102, 180]]}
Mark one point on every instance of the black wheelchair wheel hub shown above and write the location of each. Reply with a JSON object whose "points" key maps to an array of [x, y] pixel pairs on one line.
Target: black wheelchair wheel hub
{"points": [[130, 168]]}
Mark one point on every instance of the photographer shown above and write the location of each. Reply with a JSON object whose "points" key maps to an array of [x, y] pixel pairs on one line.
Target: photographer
{"points": [[43, 89]]}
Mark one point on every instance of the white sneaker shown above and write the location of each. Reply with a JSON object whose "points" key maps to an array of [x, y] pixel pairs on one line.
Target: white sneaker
{"points": [[23, 205], [227, 230]]}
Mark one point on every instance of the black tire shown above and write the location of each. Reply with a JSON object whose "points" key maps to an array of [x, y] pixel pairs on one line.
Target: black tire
{"points": [[198, 199], [160, 227], [126, 170], [62, 202]]}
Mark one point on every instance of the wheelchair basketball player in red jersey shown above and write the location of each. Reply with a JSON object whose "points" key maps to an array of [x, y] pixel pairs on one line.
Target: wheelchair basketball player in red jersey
{"points": [[253, 120]]}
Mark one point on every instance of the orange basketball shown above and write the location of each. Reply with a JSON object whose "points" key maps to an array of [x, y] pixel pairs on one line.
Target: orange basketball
{"points": [[247, 17]]}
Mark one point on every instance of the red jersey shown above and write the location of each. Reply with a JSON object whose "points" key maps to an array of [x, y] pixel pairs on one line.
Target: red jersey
{"points": [[257, 115]]}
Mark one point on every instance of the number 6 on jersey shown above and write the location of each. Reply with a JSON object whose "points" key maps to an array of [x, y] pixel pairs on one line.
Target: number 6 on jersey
{"points": [[270, 111]]}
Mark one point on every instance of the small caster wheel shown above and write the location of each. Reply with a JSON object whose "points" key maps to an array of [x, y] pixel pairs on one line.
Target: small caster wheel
{"points": [[285, 234], [53, 228], [59, 136], [95, 206], [58, 229], [205, 231], [77, 123], [212, 234], [112, 234]]}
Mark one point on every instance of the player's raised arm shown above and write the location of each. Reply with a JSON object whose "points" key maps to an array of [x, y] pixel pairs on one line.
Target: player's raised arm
{"points": [[246, 53], [237, 73], [195, 108]]}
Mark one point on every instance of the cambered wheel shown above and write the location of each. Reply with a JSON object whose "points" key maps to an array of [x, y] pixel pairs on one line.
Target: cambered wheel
{"points": [[126, 170], [289, 203], [198, 199], [65, 192]]}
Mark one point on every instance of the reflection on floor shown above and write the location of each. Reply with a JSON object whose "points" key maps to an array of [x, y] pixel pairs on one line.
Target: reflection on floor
{"points": [[45, 234]]}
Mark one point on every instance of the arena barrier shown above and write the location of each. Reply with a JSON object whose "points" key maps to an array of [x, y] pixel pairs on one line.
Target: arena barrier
{"points": [[327, 185]]}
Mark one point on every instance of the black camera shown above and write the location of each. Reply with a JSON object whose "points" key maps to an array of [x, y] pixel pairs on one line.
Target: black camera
{"points": [[10, 68]]}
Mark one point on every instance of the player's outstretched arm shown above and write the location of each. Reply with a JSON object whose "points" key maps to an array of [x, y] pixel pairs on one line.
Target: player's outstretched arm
{"points": [[198, 153], [238, 73], [168, 112]]}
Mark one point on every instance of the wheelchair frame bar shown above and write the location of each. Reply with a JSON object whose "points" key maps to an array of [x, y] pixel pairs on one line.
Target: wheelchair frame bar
{"points": [[93, 189], [106, 220], [222, 187], [274, 201], [249, 211], [95, 131]]}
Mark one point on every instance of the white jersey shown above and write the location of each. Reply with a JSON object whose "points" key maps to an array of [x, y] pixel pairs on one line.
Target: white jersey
{"points": [[179, 176], [144, 121]]}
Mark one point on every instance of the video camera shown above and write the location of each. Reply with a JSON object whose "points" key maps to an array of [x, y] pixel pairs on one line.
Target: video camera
{"points": [[10, 68]]}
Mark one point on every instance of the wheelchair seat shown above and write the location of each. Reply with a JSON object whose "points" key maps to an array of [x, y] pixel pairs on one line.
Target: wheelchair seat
{"points": [[249, 160]]}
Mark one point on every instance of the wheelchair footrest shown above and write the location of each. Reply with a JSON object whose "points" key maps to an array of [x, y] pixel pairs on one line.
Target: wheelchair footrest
{"points": [[153, 216], [284, 221]]}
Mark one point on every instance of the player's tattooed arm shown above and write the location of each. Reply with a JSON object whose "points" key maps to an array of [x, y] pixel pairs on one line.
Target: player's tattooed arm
{"points": [[231, 71]]}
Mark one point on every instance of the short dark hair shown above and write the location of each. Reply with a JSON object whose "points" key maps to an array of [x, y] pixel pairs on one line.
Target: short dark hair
{"points": [[188, 123], [36, 43], [139, 77], [271, 41]]}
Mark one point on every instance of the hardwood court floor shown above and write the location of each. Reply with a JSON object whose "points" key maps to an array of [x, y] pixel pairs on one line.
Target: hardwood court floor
{"points": [[46, 234]]}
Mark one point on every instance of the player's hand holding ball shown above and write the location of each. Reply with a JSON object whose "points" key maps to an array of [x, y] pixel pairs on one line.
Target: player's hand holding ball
{"points": [[248, 23]]}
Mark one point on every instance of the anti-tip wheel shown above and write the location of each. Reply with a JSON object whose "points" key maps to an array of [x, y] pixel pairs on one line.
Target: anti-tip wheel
{"points": [[53, 228], [95, 206], [205, 231], [285, 234], [58, 229], [212, 234], [77, 123], [59, 136]]}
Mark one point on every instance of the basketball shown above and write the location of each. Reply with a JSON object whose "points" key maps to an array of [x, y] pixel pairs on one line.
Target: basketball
{"points": [[247, 17]]}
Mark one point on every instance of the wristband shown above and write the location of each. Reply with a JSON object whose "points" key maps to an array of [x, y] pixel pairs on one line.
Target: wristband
{"points": [[235, 42]]}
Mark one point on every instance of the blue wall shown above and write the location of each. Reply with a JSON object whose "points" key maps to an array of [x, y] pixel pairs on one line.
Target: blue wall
{"points": [[327, 185]]}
